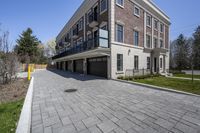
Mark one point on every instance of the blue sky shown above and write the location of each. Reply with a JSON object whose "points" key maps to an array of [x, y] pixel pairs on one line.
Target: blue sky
{"points": [[47, 17]]}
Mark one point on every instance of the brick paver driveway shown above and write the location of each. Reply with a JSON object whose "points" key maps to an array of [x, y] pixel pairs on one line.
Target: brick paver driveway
{"points": [[107, 106]]}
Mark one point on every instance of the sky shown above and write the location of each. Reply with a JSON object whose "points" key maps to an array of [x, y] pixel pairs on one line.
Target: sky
{"points": [[48, 17]]}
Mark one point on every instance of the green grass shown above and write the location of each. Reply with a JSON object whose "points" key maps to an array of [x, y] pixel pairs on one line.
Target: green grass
{"points": [[187, 76], [176, 84], [9, 115]]}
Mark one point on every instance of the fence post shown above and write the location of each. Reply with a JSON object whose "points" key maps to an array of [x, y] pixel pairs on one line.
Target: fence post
{"points": [[29, 72]]}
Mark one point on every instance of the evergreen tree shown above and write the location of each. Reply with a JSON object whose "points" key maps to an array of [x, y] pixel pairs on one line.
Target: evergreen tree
{"points": [[27, 46], [196, 48], [181, 53]]}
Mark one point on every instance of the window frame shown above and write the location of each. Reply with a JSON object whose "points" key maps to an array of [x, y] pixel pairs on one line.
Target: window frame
{"points": [[122, 6], [161, 40], [80, 24], [136, 62], [155, 41], [148, 63], [120, 62], [150, 21], [161, 27], [138, 37], [136, 7], [102, 11], [147, 35], [156, 24], [116, 33]]}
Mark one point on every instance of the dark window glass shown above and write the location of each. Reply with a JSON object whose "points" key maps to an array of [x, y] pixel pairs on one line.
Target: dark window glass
{"points": [[120, 2], [148, 62], [103, 5], [119, 33], [136, 38], [136, 62], [119, 62]]}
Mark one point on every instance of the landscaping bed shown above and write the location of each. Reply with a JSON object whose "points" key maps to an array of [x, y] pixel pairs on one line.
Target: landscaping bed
{"points": [[176, 84], [11, 102]]}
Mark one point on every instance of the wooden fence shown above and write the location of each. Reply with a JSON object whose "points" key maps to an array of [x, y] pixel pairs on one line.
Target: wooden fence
{"points": [[24, 67]]}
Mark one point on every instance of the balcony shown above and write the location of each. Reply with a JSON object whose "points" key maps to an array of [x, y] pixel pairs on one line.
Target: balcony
{"points": [[159, 48], [98, 42], [93, 20]]}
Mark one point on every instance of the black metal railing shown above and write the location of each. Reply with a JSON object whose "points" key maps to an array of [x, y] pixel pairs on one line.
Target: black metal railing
{"points": [[78, 48]]}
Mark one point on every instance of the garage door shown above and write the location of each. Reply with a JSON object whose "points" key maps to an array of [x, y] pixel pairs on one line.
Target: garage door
{"points": [[78, 66], [66, 65], [97, 66]]}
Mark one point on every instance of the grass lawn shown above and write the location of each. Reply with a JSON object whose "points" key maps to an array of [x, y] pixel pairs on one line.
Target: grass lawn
{"points": [[187, 76], [9, 115], [177, 84]]}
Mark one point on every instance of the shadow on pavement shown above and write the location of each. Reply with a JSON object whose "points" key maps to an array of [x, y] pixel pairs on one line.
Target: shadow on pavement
{"points": [[77, 76]]}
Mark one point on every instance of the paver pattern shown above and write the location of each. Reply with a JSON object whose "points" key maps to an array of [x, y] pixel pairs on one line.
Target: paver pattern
{"points": [[107, 106]]}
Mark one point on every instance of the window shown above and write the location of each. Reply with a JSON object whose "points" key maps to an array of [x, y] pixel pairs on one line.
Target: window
{"points": [[103, 5], [161, 43], [136, 62], [161, 28], [88, 16], [161, 63], [80, 25], [155, 42], [136, 38], [136, 11], [149, 21], [148, 62], [119, 62], [156, 24], [119, 33], [148, 41], [120, 2]]}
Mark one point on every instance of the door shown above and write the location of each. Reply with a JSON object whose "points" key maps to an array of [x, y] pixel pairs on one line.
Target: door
{"points": [[78, 66], [97, 66]]}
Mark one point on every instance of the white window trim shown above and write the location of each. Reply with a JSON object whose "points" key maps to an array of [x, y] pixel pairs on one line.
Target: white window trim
{"points": [[150, 40], [122, 6], [157, 24], [116, 32], [81, 24], [138, 15], [101, 12], [150, 21], [122, 63], [163, 28], [88, 16], [162, 43]]}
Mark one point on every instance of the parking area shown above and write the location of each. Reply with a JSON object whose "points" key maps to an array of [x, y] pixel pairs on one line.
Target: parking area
{"points": [[107, 106]]}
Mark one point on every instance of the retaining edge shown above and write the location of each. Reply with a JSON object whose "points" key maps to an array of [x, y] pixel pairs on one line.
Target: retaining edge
{"points": [[24, 123]]}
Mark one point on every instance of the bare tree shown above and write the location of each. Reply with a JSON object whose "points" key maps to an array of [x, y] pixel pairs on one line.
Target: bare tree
{"points": [[8, 59]]}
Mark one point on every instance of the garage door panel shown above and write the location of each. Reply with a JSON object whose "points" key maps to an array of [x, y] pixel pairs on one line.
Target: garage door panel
{"points": [[98, 66], [78, 66]]}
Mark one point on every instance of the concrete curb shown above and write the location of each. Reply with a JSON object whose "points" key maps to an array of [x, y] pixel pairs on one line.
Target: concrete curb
{"points": [[156, 87], [24, 123]]}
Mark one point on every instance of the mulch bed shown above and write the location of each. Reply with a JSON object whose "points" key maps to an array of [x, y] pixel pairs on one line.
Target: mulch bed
{"points": [[13, 91]]}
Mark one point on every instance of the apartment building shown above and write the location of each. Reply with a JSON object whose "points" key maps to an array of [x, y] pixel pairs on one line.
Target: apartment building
{"points": [[110, 38]]}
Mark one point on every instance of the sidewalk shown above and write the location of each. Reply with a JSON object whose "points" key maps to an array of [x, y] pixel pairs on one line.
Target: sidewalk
{"points": [[184, 78]]}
